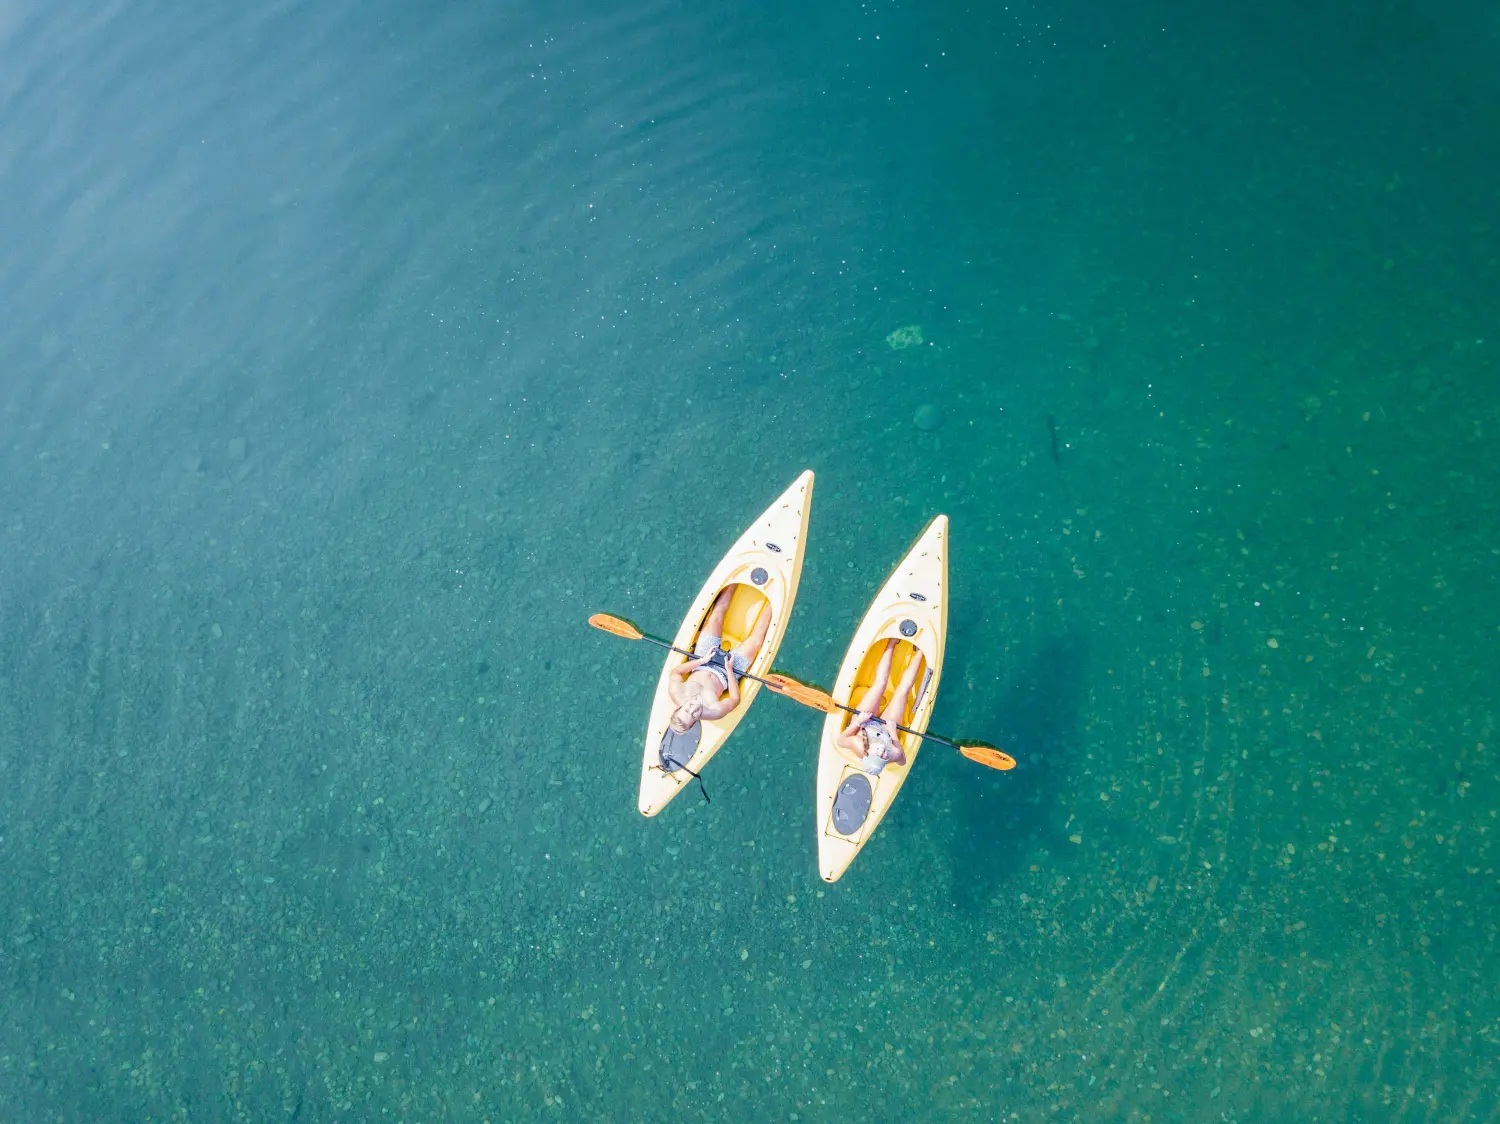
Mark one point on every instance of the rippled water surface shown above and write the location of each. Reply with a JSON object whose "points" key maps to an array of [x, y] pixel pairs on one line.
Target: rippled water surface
{"points": [[352, 355]]}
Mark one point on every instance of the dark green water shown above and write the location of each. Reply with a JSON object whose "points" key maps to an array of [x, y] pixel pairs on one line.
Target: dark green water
{"points": [[352, 355]]}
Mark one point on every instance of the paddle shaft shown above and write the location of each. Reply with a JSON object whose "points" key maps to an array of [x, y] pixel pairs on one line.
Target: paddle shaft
{"points": [[906, 729], [669, 646]]}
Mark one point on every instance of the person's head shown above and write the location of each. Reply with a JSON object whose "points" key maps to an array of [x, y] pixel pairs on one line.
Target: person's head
{"points": [[686, 716]]}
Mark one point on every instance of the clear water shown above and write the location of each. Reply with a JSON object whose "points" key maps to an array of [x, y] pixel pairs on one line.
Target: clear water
{"points": [[353, 354]]}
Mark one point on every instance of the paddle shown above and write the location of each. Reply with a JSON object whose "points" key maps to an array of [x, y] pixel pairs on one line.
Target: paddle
{"points": [[981, 752], [619, 626]]}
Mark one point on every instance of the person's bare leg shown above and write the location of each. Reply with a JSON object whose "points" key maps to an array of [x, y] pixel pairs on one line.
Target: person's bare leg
{"points": [[870, 704], [714, 626], [896, 709], [752, 643]]}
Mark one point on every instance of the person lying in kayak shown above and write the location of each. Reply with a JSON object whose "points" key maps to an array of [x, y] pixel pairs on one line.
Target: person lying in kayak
{"points": [[707, 686], [871, 740]]}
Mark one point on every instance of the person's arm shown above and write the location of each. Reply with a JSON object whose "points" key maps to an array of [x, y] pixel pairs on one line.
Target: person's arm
{"points": [[718, 709], [683, 670], [848, 737]]}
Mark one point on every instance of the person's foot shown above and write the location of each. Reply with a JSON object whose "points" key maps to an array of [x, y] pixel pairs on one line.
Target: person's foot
{"points": [[890, 644]]}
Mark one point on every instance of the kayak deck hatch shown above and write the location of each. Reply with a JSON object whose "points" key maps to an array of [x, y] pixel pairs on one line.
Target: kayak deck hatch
{"points": [[851, 807]]}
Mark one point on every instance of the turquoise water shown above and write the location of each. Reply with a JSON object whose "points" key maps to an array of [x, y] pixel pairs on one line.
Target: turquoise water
{"points": [[353, 355]]}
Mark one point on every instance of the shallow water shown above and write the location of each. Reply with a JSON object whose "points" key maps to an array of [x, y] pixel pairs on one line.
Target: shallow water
{"points": [[352, 356]]}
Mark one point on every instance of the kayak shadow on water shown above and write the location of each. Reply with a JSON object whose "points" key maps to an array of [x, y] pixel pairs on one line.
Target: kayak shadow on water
{"points": [[998, 820]]}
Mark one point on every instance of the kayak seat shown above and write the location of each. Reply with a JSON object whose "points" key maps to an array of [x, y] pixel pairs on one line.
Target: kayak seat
{"points": [[678, 749]]}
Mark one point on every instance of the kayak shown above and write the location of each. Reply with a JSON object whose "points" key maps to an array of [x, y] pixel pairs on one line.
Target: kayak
{"points": [[764, 567], [911, 607]]}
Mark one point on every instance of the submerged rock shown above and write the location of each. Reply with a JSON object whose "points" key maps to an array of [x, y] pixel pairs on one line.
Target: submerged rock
{"points": [[902, 338], [928, 417]]}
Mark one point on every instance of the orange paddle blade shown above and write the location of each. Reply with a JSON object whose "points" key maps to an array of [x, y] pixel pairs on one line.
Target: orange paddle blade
{"points": [[799, 692], [988, 755], [618, 626]]}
